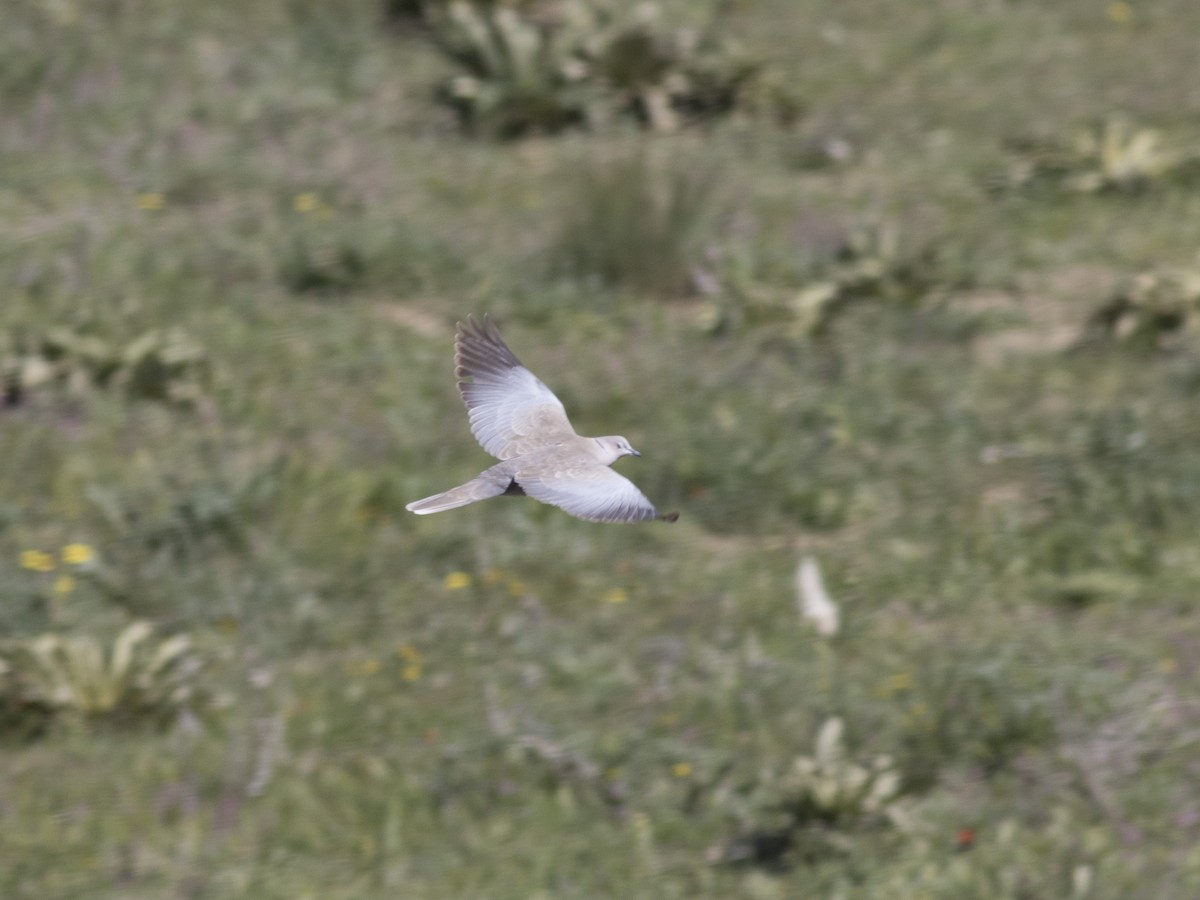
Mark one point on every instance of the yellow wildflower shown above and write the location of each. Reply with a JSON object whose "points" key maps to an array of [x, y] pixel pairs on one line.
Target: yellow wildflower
{"points": [[78, 554], [409, 653], [1121, 13], [682, 770], [37, 561], [64, 584], [1167, 665], [151, 201], [616, 595], [516, 587], [456, 581], [411, 672], [306, 203]]}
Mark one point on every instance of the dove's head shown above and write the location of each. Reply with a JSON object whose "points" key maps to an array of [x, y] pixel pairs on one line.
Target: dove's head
{"points": [[613, 447]]}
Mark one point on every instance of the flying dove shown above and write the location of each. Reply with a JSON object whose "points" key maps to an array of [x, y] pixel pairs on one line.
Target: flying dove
{"points": [[519, 421]]}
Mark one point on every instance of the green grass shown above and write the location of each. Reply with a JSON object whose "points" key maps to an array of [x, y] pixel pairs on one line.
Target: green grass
{"points": [[1008, 526]]}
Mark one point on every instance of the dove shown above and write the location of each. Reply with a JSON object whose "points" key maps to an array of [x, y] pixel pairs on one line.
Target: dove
{"points": [[518, 420]]}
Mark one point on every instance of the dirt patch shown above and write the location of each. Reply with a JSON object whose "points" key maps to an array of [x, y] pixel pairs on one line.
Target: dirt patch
{"points": [[1047, 312]]}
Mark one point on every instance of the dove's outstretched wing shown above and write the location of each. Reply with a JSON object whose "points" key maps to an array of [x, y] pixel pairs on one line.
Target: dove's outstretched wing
{"points": [[510, 410], [589, 491]]}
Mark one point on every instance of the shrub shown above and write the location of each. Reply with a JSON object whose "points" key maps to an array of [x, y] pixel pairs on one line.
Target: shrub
{"points": [[869, 263], [162, 364], [135, 679], [816, 796], [635, 224], [576, 64], [1149, 308], [1113, 156]]}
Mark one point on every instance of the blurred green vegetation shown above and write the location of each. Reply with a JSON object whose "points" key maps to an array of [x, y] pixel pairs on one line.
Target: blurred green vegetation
{"points": [[934, 328], [548, 67]]}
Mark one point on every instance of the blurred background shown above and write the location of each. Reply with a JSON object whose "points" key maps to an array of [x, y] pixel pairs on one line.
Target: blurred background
{"points": [[898, 300]]}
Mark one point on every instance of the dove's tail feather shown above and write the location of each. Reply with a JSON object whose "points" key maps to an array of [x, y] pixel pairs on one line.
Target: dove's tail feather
{"points": [[472, 492]]}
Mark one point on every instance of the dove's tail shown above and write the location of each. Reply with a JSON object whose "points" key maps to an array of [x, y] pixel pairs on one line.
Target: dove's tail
{"points": [[472, 492]]}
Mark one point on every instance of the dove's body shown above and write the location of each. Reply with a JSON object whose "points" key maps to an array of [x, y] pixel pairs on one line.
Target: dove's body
{"points": [[518, 419]]}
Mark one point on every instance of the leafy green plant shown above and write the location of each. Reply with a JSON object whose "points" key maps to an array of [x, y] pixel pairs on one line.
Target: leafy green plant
{"points": [[664, 78], [830, 788], [1115, 155], [871, 263], [1149, 308], [162, 364], [632, 223], [519, 76], [134, 679], [815, 797], [545, 69], [1120, 156]]}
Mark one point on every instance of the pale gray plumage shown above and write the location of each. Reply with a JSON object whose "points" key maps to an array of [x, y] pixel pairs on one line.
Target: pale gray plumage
{"points": [[518, 420]]}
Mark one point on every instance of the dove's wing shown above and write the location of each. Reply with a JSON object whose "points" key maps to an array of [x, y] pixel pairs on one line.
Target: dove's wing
{"points": [[587, 490], [510, 410]]}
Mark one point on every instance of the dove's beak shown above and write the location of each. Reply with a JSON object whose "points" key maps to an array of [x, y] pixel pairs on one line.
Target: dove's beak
{"points": [[633, 452]]}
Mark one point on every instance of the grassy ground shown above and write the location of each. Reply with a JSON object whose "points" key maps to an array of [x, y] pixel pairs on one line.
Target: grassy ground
{"points": [[506, 702]]}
